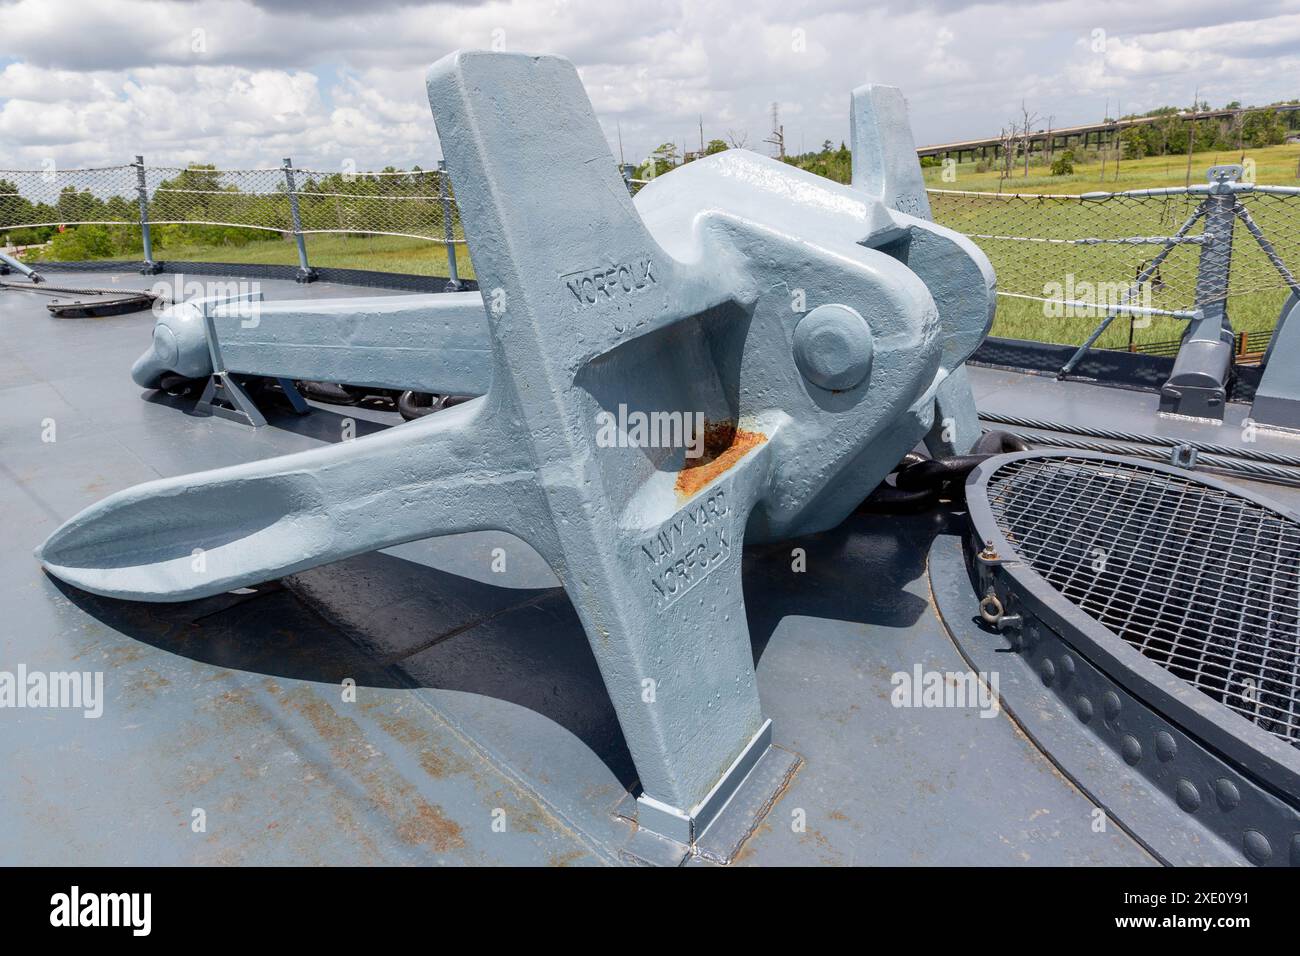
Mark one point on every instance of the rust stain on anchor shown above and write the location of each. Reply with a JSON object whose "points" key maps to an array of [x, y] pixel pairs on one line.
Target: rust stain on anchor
{"points": [[724, 445]]}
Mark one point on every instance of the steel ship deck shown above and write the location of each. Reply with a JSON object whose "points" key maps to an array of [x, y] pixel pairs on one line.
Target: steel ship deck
{"points": [[477, 696]]}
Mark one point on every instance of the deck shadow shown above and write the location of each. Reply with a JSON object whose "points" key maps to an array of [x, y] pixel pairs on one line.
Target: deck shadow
{"points": [[856, 572], [386, 621], [325, 423]]}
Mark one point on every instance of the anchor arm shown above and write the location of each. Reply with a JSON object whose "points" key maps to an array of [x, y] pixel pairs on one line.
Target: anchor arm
{"points": [[191, 536], [883, 152], [431, 343], [886, 167]]}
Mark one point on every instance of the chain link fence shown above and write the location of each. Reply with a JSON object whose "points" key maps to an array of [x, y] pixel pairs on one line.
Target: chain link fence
{"points": [[37, 198], [1044, 245], [1058, 258], [1136, 255], [418, 204], [414, 204]]}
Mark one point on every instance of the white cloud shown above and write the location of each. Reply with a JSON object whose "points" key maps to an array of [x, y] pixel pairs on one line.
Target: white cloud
{"points": [[245, 82]]}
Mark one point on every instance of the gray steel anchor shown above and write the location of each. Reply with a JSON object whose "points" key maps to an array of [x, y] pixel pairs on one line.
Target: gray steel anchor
{"points": [[885, 166], [439, 343], [434, 342], [811, 326]]}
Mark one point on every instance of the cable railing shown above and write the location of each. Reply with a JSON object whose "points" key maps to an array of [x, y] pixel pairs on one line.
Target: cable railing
{"points": [[1167, 253], [414, 204], [1175, 253]]}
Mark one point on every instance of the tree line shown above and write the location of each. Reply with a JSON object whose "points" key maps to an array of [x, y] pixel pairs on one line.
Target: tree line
{"points": [[1171, 133]]}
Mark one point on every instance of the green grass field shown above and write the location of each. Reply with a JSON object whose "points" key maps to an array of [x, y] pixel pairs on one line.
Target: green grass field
{"points": [[1024, 319], [1274, 165], [376, 253], [1256, 311]]}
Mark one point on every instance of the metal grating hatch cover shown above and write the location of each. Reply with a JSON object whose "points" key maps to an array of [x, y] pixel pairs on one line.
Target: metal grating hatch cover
{"points": [[1198, 578]]}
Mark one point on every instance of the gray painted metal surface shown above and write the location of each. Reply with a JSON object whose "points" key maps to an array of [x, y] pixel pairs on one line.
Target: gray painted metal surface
{"points": [[1272, 761], [305, 272], [440, 345], [142, 197], [1277, 397], [433, 343], [9, 262], [477, 690], [484, 691], [693, 307], [885, 166], [1198, 384], [453, 273], [1058, 698], [1221, 788]]}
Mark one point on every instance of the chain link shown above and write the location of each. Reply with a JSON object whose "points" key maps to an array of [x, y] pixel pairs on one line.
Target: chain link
{"points": [[1093, 248], [387, 203]]}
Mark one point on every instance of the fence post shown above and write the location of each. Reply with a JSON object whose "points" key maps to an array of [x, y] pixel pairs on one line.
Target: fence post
{"points": [[453, 283], [1214, 265], [305, 272], [142, 190], [1198, 383]]}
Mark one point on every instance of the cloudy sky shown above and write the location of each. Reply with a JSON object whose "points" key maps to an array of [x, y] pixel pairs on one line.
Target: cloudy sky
{"points": [[244, 82]]}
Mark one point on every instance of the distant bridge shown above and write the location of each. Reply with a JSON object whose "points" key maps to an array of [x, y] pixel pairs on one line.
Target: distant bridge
{"points": [[1049, 140]]}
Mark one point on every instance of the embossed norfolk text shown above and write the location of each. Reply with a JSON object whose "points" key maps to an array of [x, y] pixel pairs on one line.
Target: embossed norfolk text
{"points": [[600, 285]]}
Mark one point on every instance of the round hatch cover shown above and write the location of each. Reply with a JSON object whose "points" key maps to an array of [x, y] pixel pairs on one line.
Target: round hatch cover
{"points": [[1198, 577]]}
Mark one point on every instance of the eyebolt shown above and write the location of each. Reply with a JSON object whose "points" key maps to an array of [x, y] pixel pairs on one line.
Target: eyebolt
{"points": [[992, 612]]}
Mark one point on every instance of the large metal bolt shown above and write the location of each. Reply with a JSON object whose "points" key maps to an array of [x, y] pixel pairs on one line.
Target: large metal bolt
{"points": [[832, 347], [165, 348]]}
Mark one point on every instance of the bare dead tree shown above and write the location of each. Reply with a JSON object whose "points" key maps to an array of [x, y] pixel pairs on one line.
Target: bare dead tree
{"points": [[738, 140], [1007, 143], [1027, 121], [777, 138], [1101, 140]]}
